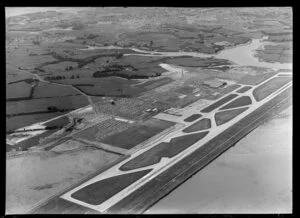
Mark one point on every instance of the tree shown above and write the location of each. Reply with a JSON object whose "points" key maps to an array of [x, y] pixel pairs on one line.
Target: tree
{"points": [[52, 108], [119, 55]]}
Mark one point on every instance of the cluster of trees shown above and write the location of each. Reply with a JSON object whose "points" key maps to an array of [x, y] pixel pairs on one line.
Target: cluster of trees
{"points": [[39, 69], [55, 109], [119, 55], [99, 74], [53, 127], [60, 77], [36, 42], [68, 68], [54, 77], [73, 77], [77, 26], [92, 36]]}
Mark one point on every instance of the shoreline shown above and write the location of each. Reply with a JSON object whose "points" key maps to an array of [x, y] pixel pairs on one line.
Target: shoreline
{"points": [[219, 195]]}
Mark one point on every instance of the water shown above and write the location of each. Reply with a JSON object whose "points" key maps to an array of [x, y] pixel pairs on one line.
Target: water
{"points": [[254, 176], [242, 55]]}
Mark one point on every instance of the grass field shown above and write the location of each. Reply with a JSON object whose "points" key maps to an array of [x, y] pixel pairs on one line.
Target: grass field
{"points": [[98, 192], [13, 75], [61, 121], [185, 90], [46, 90], [114, 86], [154, 83], [225, 116], [16, 122], [95, 81], [269, 87], [32, 111], [256, 79], [164, 149], [196, 62], [18, 90], [37, 105], [192, 118], [244, 89], [20, 57], [239, 102], [137, 134], [107, 89], [202, 124], [32, 178], [218, 103], [61, 66]]}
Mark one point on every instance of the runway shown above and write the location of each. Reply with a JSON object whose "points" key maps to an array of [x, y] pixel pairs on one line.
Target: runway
{"points": [[143, 194]]}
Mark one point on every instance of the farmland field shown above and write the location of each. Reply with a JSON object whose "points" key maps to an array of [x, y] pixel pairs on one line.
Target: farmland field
{"points": [[16, 122], [46, 90], [60, 66], [18, 90], [14, 76], [281, 53], [37, 105]]}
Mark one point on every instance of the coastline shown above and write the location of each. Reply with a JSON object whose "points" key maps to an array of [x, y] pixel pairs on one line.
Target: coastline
{"points": [[247, 178]]}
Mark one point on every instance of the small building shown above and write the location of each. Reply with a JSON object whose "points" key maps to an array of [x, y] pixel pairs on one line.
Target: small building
{"points": [[214, 83]]}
